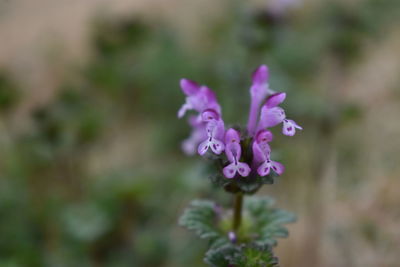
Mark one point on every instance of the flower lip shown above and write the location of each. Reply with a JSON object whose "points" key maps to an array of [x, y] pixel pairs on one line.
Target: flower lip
{"points": [[289, 127]]}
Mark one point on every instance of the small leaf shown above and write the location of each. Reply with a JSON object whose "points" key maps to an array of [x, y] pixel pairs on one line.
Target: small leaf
{"points": [[267, 222], [202, 218]]}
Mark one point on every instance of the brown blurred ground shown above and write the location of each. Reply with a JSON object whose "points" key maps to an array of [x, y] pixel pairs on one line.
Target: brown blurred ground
{"points": [[40, 38]]}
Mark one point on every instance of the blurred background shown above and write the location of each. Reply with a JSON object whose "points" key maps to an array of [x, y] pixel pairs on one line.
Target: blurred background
{"points": [[91, 170]]}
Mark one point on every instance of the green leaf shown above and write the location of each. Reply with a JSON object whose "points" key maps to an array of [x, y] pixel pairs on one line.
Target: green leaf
{"points": [[267, 222], [202, 218], [241, 256]]}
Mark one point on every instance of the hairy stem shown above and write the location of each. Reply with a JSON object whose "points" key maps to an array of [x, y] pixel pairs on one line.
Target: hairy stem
{"points": [[237, 211]]}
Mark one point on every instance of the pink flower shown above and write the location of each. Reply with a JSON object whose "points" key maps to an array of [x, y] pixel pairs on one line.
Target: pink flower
{"points": [[233, 152], [272, 115], [262, 155], [208, 127]]}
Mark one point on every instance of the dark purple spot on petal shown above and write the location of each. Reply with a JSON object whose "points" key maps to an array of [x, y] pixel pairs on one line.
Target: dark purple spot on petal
{"points": [[289, 129], [241, 169], [273, 167], [231, 171]]}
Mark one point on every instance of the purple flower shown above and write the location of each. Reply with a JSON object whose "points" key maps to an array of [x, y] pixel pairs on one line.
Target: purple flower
{"points": [[232, 236], [215, 132], [233, 152], [198, 97], [258, 92], [262, 154], [272, 115], [261, 148], [208, 127]]}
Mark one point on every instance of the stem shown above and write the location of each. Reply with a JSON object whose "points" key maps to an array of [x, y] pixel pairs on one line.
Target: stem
{"points": [[237, 211]]}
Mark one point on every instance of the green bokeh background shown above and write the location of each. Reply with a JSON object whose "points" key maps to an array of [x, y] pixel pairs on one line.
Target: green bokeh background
{"points": [[94, 174]]}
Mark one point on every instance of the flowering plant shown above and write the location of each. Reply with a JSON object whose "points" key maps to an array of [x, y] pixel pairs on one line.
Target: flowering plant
{"points": [[243, 163]]}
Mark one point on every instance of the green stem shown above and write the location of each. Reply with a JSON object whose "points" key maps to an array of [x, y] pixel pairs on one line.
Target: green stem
{"points": [[237, 211]]}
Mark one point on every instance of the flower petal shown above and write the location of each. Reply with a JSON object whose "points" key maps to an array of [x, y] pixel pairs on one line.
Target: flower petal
{"points": [[243, 169], [203, 147], [230, 170], [289, 127], [277, 167], [182, 111], [258, 154], [198, 97], [264, 168], [232, 145], [261, 152], [209, 95], [217, 146], [215, 129], [296, 125], [275, 99]]}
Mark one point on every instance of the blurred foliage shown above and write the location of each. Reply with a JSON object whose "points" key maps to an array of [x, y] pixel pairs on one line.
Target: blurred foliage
{"points": [[9, 92], [60, 205]]}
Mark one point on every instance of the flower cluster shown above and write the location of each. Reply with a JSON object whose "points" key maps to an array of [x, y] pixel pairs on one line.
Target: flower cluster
{"points": [[209, 133]]}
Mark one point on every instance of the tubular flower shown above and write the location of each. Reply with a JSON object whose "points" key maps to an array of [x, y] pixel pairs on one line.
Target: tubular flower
{"points": [[272, 115], [262, 153], [233, 152], [258, 92], [198, 97], [215, 132], [209, 135]]}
